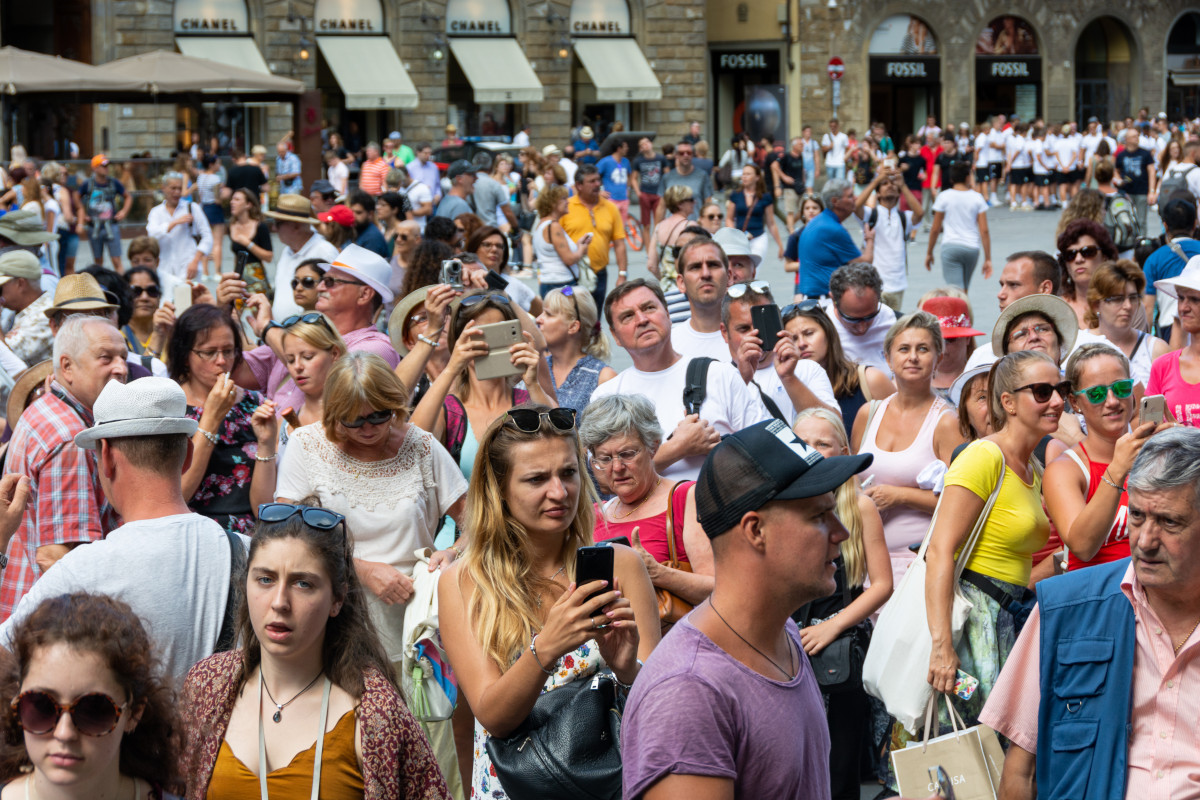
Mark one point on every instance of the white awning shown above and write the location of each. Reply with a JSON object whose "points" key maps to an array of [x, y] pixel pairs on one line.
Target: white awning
{"points": [[619, 69], [236, 51], [369, 71], [1185, 78], [497, 69]]}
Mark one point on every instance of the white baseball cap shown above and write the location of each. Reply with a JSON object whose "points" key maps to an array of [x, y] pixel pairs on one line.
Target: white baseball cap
{"points": [[366, 266]]}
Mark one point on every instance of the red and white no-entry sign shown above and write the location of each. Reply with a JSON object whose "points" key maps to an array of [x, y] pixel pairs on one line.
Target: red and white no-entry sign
{"points": [[836, 69]]}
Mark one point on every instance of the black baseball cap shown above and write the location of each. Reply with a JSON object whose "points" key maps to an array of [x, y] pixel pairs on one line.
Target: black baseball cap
{"points": [[322, 186], [761, 463], [460, 167]]}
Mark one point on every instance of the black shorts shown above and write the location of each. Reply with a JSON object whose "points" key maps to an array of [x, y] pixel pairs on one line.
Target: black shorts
{"points": [[982, 174], [1021, 176], [1077, 175], [996, 168], [1042, 179]]}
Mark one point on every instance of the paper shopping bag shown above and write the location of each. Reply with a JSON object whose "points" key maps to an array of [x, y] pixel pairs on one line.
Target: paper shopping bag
{"points": [[971, 757]]}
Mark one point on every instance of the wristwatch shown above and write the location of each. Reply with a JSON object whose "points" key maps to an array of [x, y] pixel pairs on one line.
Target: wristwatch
{"points": [[272, 324]]}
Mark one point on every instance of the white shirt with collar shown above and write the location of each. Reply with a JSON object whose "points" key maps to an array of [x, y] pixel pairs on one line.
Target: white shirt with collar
{"points": [[177, 246], [317, 246], [807, 372], [868, 348]]}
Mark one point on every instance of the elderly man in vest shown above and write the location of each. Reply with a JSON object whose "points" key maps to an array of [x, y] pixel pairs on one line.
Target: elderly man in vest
{"points": [[1101, 693]]}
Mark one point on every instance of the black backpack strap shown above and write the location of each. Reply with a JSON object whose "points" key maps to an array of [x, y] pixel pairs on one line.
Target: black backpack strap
{"points": [[771, 405], [695, 386], [237, 561]]}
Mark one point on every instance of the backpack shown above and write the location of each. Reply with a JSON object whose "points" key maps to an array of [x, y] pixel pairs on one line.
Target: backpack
{"points": [[1176, 183], [695, 389], [873, 219], [1120, 221]]}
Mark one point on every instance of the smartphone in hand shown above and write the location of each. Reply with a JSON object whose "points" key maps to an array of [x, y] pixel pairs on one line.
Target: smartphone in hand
{"points": [[769, 322], [594, 563]]}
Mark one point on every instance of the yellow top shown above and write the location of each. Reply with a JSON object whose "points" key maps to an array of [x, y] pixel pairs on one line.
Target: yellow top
{"points": [[604, 220]]}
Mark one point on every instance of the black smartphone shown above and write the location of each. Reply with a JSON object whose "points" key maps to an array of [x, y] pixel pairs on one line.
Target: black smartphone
{"points": [[619, 540], [239, 263], [594, 563], [496, 281], [769, 322]]}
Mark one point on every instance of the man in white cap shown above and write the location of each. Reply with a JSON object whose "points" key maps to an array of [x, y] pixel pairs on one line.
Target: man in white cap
{"points": [[21, 290], [69, 507], [743, 265], [172, 566]]}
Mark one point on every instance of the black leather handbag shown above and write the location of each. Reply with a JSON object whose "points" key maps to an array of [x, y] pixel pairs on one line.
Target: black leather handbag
{"points": [[839, 667], [569, 747]]}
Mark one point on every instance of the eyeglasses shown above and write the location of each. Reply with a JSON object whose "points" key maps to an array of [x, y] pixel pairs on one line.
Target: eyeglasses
{"points": [[93, 714], [738, 290], [152, 292], [1088, 251], [212, 355], [1041, 391], [308, 282], [492, 245], [625, 457], [329, 280], [1041, 329], [374, 418], [311, 318], [858, 320], [320, 518], [475, 299], [527, 420], [1099, 393], [1122, 299]]}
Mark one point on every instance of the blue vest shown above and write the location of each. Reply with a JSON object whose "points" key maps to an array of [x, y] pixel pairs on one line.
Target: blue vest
{"points": [[1086, 660]]}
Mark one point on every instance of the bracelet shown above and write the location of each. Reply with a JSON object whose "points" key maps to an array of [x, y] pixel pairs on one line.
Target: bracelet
{"points": [[533, 649], [1104, 477], [271, 457], [628, 686], [622, 273], [423, 338], [212, 437], [457, 552]]}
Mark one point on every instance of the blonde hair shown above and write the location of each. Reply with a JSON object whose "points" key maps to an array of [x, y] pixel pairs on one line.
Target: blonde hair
{"points": [[854, 552], [677, 194], [591, 338], [1005, 376], [360, 379], [501, 605], [917, 320], [322, 337], [548, 199]]}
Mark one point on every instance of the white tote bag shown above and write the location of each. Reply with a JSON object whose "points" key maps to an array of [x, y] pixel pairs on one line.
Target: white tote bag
{"points": [[896, 669]]}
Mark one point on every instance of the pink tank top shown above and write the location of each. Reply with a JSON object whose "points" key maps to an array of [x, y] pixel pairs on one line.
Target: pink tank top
{"points": [[902, 525]]}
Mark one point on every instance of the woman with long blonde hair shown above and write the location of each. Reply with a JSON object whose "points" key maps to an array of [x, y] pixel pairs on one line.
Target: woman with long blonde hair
{"points": [[514, 622]]}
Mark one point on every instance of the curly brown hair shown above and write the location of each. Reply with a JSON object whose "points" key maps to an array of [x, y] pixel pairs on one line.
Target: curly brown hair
{"points": [[107, 627], [1069, 236]]}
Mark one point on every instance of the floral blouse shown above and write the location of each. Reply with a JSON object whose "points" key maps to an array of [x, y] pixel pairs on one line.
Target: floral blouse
{"points": [[224, 493]]}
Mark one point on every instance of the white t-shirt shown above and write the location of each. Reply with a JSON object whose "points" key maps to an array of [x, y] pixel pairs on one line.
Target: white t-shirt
{"points": [[962, 208], [809, 373], [1089, 142], [996, 140], [393, 507], [173, 572], [1067, 152], [1189, 170], [837, 144], [1037, 154], [891, 246], [729, 404], [868, 348], [691, 343], [283, 305], [981, 151], [418, 193], [1018, 150], [339, 176]]}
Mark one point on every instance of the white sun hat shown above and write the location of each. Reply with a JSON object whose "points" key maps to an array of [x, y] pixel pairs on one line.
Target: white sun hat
{"points": [[145, 407]]}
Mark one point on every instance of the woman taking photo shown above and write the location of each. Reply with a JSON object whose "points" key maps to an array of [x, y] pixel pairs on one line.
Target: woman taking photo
{"points": [[907, 432], [89, 654], [310, 348], [232, 470], [310, 667], [558, 255], [1084, 487], [621, 434], [1082, 246], [248, 231], [576, 349], [1027, 397], [679, 202], [751, 208], [385, 475], [491, 247], [1114, 299], [816, 339], [863, 560], [514, 622], [142, 335]]}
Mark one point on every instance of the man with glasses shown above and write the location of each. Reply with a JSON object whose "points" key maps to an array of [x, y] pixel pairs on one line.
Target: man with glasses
{"points": [[859, 314], [702, 274], [825, 245], [173, 567], [686, 174], [637, 316]]}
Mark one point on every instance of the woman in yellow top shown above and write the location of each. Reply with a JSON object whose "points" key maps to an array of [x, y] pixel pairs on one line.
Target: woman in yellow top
{"points": [[1027, 396]]}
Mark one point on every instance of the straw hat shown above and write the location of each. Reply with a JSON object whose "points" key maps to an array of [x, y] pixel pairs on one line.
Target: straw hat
{"points": [[1049, 306], [400, 314], [28, 381], [145, 407], [293, 208], [78, 292]]}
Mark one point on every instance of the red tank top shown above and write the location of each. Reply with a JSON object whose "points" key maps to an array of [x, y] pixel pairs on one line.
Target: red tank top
{"points": [[1116, 544]]}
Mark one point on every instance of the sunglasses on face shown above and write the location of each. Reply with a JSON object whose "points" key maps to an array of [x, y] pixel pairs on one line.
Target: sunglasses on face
{"points": [[527, 420], [153, 292], [308, 282], [738, 290], [712, 216], [374, 418], [1099, 393], [1088, 251], [94, 714], [329, 280], [1042, 391], [320, 518], [475, 299], [849, 320]]}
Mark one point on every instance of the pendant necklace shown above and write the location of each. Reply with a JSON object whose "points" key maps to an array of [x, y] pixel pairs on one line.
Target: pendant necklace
{"points": [[278, 715], [791, 674]]}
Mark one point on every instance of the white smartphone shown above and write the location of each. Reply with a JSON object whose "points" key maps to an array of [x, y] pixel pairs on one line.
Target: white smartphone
{"points": [[1153, 409], [182, 298], [498, 362]]}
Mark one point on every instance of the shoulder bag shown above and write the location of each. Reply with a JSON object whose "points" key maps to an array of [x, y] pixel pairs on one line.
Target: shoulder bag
{"points": [[672, 607], [839, 667], [896, 669]]}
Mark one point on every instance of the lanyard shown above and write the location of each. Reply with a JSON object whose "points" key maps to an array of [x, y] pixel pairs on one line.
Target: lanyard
{"points": [[262, 743]]}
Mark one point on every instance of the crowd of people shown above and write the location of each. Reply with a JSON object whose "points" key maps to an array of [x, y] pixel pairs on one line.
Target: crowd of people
{"points": [[353, 490]]}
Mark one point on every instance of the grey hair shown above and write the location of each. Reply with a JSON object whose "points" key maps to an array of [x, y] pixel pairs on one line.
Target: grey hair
{"points": [[750, 296], [617, 415], [1167, 461], [72, 339], [172, 176], [857, 276], [832, 189], [917, 320]]}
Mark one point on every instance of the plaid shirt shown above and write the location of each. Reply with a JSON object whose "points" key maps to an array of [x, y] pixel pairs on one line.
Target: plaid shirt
{"points": [[67, 505]]}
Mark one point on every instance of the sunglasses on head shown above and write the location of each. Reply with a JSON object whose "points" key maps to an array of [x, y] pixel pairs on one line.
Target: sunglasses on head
{"points": [[1042, 391], [375, 418], [1099, 393], [569, 291], [308, 282], [93, 714], [320, 518], [1087, 251], [529, 421], [311, 318], [738, 290], [475, 299], [152, 291]]}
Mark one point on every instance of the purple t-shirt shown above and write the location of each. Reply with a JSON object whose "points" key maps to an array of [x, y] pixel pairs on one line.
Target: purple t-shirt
{"points": [[271, 372], [695, 710]]}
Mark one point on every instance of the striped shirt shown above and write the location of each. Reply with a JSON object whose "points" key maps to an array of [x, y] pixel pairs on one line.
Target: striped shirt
{"points": [[371, 176]]}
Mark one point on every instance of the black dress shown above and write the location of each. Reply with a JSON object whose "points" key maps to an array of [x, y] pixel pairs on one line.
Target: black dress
{"points": [[262, 238]]}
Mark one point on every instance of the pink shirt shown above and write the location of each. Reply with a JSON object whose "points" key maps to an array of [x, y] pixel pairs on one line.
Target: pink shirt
{"points": [[1183, 398], [272, 373], [1164, 752]]}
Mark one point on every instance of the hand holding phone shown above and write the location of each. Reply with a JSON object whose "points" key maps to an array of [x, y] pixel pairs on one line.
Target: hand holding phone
{"points": [[1153, 408], [594, 563], [767, 319]]}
